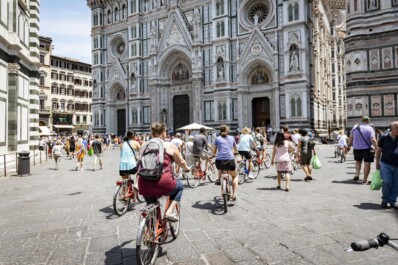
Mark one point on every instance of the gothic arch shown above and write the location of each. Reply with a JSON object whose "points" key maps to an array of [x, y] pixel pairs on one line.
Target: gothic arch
{"points": [[169, 59], [114, 92], [252, 69]]}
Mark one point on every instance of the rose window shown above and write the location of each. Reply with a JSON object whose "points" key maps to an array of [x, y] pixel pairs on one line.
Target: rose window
{"points": [[120, 48], [258, 12]]}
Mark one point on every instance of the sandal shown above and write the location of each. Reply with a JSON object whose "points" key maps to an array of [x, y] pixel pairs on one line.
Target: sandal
{"points": [[233, 198], [218, 182]]}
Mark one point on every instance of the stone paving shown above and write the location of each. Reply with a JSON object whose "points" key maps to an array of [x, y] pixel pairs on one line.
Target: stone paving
{"points": [[66, 217]]}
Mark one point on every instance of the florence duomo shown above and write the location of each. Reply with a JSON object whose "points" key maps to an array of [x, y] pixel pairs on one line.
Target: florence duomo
{"points": [[237, 62]]}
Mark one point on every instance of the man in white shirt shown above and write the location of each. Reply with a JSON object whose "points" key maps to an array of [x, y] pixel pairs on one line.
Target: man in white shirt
{"points": [[177, 141], [295, 137]]}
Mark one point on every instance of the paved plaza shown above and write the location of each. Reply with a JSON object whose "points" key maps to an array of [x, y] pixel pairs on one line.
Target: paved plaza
{"points": [[66, 217]]}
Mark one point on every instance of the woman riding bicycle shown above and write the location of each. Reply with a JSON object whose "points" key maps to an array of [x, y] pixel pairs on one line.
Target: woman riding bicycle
{"points": [[167, 185], [128, 157], [225, 148]]}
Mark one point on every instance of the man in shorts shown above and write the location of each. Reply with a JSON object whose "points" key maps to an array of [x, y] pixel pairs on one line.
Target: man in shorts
{"points": [[361, 139], [200, 147], [97, 148]]}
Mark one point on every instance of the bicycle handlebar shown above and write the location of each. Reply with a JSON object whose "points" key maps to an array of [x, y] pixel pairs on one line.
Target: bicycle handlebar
{"points": [[362, 245]]}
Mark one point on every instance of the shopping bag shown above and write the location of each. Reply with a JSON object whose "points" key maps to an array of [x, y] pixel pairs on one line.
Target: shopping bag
{"points": [[376, 181], [90, 151], [316, 163]]}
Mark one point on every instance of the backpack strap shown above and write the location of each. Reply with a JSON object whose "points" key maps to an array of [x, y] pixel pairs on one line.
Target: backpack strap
{"points": [[369, 145]]}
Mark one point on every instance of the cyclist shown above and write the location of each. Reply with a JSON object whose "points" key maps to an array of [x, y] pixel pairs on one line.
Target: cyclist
{"points": [[225, 148], [246, 143], [259, 140], [167, 185], [129, 151], [200, 145], [343, 142]]}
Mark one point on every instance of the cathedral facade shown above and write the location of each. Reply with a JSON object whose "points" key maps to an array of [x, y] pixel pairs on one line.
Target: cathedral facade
{"points": [[236, 62], [372, 61]]}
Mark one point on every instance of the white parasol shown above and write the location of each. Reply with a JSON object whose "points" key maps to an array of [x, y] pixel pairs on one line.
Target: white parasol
{"points": [[194, 126]]}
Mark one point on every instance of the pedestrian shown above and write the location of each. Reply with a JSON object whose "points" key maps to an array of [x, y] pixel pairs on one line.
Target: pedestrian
{"points": [[189, 158], [97, 148], [56, 150], [361, 139], [286, 133], [80, 152], [129, 152], [387, 162], [246, 144], [281, 158], [295, 137], [305, 154], [72, 147]]}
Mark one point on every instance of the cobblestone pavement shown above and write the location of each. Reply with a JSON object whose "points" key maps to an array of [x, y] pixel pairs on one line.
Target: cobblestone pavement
{"points": [[66, 217]]}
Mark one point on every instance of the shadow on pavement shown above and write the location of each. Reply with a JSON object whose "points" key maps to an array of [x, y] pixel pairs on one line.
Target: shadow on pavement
{"points": [[270, 188], [369, 206], [216, 208], [348, 181], [121, 255]]}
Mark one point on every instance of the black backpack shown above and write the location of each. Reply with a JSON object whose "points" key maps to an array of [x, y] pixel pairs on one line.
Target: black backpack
{"points": [[150, 166]]}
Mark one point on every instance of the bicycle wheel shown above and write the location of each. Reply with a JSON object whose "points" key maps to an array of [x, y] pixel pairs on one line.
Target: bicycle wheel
{"points": [[193, 179], [175, 226], [294, 164], [147, 250], [212, 173], [120, 202], [267, 161], [256, 169], [139, 197], [225, 195], [242, 174]]}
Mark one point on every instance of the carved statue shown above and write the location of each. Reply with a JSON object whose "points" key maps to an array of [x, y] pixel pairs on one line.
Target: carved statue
{"points": [[196, 18], [294, 62], [221, 73], [255, 20], [372, 4]]}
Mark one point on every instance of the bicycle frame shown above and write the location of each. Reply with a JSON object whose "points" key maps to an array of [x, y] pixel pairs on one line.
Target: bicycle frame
{"points": [[128, 183], [161, 223]]}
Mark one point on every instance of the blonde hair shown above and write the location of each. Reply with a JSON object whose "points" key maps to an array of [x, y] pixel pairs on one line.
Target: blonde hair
{"points": [[80, 141], [157, 129], [246, 130], [224, 130]]}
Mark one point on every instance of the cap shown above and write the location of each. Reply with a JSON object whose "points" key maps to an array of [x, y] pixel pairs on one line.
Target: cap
{"points": [[365, 118]]}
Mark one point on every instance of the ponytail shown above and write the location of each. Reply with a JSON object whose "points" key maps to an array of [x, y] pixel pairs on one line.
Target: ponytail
{"points": [[224, 131]]}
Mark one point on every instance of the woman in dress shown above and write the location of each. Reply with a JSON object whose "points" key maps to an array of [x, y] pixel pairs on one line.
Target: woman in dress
{"points": [[280, 157], [80, 152]]}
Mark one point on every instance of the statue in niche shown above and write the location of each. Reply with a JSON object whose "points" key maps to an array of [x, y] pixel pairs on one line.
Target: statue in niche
{"points": [[120, 94], [221, 72], [255, 18], [294, 66], [372, 4], [196, 17]]}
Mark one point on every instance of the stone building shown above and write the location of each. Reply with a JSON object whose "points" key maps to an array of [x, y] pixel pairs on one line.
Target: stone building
{"points": [[19, 69], [238, 62], [65, 92], [372, 61]]}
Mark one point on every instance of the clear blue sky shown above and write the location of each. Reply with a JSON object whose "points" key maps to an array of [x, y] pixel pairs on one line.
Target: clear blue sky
{"points": [[68, 23]]}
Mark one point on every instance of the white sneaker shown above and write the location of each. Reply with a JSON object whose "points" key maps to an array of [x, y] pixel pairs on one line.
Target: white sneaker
{"points": [[250, 176]]}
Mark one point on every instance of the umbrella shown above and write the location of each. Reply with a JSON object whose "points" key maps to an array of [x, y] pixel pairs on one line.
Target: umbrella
{"points": [[194, 126]]}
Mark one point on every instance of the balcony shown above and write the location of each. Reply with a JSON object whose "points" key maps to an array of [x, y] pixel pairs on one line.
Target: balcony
{"points": [[66, 111], [45, 111]]}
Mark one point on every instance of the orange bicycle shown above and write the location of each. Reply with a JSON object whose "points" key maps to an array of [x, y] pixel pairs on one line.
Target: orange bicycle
{"points": [[154, 230], [197, 174], [123, 195]]}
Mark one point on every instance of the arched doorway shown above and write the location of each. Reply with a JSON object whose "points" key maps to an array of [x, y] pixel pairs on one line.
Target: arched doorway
{"points": [[261, 112]]}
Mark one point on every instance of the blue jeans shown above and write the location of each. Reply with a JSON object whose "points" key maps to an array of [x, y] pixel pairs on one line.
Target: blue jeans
{"points": [[175, 195], [389, 174]]}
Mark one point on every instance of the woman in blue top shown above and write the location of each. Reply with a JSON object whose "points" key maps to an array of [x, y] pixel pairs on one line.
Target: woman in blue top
{"points": [[225, 148], [128, 160]]}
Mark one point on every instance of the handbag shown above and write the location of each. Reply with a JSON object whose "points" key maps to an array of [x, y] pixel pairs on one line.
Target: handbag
{"points": [[90, 151], [376, 181], [316, 163]]}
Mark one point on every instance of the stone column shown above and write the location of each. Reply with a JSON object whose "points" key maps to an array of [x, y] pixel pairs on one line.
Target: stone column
{"points": [[12, 91]]}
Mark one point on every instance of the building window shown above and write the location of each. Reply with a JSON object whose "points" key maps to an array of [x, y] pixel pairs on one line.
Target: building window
{"points": [[42, 104], [222, 111], [295, 107], [146, 115], [235, 109], [109, 17], [54, 90], [41, 58], [293, 12], [220, 29], [84, 119], [209, 110], [54, 106], [42, 80], [220, 7], [77, 119], [134, 116], [116, 13]]}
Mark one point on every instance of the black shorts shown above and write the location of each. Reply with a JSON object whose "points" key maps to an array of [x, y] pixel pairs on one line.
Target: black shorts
{"points": [[246, 154], [305, 159], [71, 149], [226, 165], [365, 155]]}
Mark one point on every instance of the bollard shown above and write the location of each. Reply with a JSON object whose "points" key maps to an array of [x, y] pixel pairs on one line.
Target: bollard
{"points": [[23, 167], [5, 166]]}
